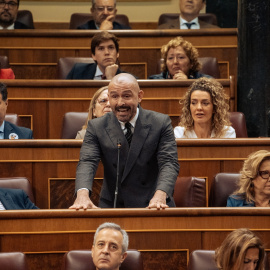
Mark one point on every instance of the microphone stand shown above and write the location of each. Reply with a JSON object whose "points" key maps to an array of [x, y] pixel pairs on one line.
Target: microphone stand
{"points": [[117, 173]]}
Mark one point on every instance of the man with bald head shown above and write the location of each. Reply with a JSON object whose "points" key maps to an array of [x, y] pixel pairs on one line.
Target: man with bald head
{"points": [[148, 165]]}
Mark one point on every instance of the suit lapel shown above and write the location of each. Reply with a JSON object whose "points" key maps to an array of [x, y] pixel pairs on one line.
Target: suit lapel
{"points": [[7, 200], [175, 24], [7, 130], [140, 134], [92, 71], [115, 133]]}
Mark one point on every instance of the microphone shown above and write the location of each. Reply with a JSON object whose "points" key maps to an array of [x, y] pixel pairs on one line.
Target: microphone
{"points": [[117, 173]]}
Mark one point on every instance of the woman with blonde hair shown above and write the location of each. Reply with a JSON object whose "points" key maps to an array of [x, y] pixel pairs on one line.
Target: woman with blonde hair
{"points": [[99, 106], [241, 250], [180, 61], [205, 112], [254, 183]]}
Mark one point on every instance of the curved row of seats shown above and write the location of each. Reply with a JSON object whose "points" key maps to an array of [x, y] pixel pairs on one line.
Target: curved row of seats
{"points": [[65, 64], [209, 65], [73, 122], [188, 192], [73, 260], [77, 19], [82, 260]]}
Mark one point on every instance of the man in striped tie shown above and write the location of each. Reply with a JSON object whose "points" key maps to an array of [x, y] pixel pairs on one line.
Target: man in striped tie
{"points": [[188, 19], [147, 167]]}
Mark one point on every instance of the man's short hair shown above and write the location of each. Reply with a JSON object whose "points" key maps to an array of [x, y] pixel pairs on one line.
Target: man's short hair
{"points": [[3, 91], [113, 226], [18, 2], [94, 2], [101, 37]]}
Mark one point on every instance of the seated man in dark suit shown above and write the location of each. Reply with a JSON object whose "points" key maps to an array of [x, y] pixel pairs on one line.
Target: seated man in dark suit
{"points": [[12, 199], [189, 12], [8, 15], [104, 12], [7, 129], [105, 52]]}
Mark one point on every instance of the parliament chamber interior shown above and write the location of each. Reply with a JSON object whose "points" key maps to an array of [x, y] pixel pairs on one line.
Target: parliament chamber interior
{"points": [[41, 99]]}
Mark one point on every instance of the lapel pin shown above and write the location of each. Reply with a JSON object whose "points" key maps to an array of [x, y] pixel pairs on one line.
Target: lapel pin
{"points": [[13, 136]]}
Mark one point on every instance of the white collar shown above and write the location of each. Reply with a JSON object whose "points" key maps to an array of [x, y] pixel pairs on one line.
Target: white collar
{"points": [[10, 27], [2, 127], [183, 22], [98, 72]]}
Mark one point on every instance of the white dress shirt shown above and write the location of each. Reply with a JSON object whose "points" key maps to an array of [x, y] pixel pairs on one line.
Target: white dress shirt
{"points": [[11, 27], [195, 24]]}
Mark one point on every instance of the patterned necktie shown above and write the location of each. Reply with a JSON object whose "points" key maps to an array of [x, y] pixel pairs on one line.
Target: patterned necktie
{"points": [[189, 25], [128, 134]]}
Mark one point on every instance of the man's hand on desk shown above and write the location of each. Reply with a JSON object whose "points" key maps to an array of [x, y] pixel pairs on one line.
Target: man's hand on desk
{"points": [[83, 201], [158, 201]]}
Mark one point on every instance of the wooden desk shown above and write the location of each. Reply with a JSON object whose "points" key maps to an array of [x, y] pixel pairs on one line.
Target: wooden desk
{"points": [[42, 104], [33, 54], [50, 165], [165, 237]]}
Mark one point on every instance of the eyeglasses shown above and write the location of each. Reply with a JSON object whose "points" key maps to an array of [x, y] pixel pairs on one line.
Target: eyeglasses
{"points": [[103, 101], [10, 4], [102, 8], [177, 57], [264, 174]]}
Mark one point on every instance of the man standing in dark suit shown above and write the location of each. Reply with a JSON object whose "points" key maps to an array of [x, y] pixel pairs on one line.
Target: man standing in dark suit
{"points": [[189, 12], [8, 15], [148, 163], [12, 199], [104, 12], [105, 52], [7, 129]]}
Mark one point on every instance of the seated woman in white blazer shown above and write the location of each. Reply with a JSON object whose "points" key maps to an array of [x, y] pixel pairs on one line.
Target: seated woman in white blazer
{"points": [[205, 112]]}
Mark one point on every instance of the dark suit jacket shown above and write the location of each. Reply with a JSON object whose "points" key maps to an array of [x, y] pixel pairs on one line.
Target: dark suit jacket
{"points": [[84, 71], [22, 132], [15, 199], [91, 25], [174, 24], [238, 201], [225, 10], [149, 164], [19, 25]]}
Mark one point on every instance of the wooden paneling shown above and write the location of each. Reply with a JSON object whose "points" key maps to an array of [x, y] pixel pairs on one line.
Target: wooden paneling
{"points": [[33, 54], [165, 237], [45, 102], [50, 165]]}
